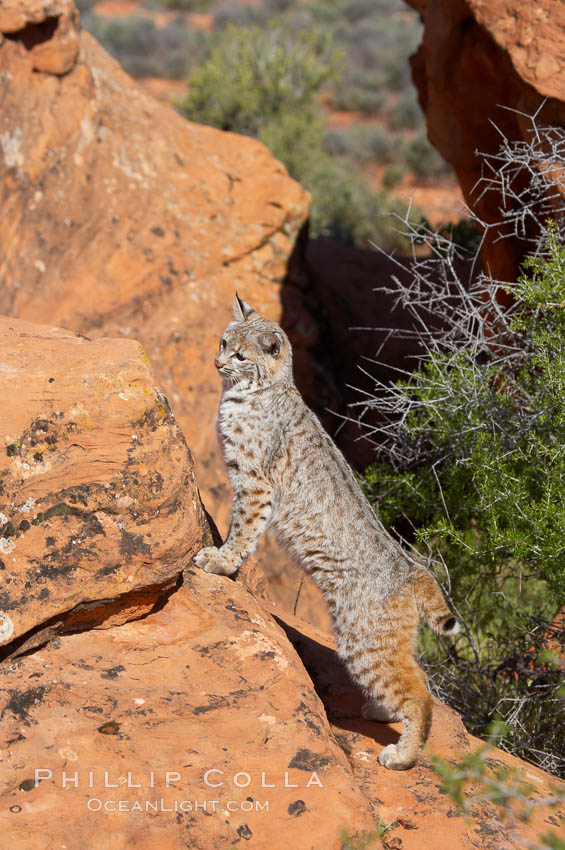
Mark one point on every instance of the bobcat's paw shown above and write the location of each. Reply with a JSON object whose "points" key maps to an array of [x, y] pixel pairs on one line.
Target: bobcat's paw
{"points": [[373, 710], [212, 560], [391, 758]]}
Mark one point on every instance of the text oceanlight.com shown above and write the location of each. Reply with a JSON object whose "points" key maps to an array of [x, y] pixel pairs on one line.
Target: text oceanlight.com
{"points": [[95, 804]]}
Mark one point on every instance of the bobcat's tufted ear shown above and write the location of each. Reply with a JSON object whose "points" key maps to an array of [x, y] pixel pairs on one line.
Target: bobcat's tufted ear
{"points": [[271, 343], [241, 310]]}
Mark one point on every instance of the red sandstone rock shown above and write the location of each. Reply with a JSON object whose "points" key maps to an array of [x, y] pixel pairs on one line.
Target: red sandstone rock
{"points": [[476, 57], [99, 510], [210, 682]]}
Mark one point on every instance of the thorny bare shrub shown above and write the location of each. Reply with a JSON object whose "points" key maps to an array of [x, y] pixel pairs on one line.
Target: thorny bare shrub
{"points": [[470, 449]]}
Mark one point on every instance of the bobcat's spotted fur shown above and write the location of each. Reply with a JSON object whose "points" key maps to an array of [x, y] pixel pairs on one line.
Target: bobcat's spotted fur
{"points": [[288, 476]]}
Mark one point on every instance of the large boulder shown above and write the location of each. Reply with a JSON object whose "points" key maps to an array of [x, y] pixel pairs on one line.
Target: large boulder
{"points": [[99, 509], [208, 683], [199, 726], [484, 67]]}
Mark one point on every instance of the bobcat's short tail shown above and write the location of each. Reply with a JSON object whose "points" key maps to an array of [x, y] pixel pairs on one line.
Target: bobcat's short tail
{"points": [[432, 606]]}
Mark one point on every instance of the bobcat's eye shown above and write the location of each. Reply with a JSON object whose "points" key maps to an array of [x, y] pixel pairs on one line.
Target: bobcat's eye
{"points": [[239, 356], [222, 344]]}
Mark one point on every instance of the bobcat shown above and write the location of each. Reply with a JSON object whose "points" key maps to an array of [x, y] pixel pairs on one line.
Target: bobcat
{"points": [[288, 476]]}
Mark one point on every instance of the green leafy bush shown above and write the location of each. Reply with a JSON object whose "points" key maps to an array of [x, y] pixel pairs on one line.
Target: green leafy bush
{"points": [[265, 83], [485, 434], [254, 76], [476, 476], [424, 160]]}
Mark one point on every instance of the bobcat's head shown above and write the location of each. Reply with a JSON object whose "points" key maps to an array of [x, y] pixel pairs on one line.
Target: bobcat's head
{"points": [[254, 352]]}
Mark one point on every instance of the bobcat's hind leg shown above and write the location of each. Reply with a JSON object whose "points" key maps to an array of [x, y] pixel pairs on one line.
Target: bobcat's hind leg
{"points": [[384, 664], [401, 694], [415, 711]]}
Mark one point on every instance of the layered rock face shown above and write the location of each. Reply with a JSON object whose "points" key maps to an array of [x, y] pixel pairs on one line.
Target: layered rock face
{"points": [[483, 67]]}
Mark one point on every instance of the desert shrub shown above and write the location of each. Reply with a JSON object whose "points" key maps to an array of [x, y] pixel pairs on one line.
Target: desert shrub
{"points": [[278, 7], [144, 50], [424, 160], [471, 457], [381, 145], [241, 15], [254, 76], [376, 39], [337, 143], [393, 175], [346, 209], [265, 83], [376, 48], [359, 92], [186, 5], [361, 145], [247, 14], [294, 138], [405, 114]]}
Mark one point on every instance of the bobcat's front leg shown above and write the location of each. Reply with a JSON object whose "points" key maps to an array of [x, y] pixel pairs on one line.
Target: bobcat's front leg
{"points": [[252, 507]]}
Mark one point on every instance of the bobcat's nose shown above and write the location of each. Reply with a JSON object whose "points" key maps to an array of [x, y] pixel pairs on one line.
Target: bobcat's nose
{"points": [[217, 362]]}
